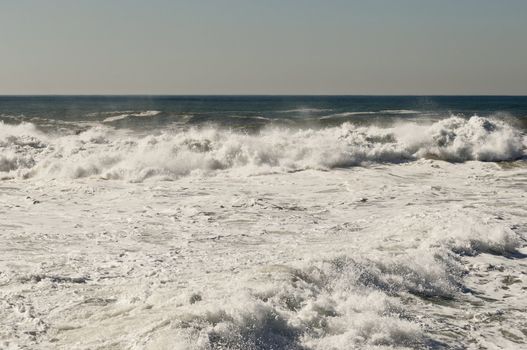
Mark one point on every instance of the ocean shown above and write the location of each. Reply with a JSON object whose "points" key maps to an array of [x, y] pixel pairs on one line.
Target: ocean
{"points": [[263, 222]]}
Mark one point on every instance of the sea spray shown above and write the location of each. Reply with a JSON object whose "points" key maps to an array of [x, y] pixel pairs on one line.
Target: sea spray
{"points": [[113, 154]]}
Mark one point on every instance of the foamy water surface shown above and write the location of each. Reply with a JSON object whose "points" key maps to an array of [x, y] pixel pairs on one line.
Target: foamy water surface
{"points": [[402, 235]]}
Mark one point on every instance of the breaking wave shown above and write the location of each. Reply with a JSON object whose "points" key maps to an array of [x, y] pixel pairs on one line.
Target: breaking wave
{"points": [[119, 154]]}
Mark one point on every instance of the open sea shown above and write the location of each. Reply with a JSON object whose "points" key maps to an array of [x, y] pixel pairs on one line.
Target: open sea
{"points": [[263, 222]]}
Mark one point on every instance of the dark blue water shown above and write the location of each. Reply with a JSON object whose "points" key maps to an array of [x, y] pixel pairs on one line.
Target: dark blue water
{"points": [[253, 112]]}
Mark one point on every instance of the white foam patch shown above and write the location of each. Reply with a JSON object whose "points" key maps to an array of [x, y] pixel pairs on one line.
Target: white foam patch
{"points": [[424, 254], [333, 304]]}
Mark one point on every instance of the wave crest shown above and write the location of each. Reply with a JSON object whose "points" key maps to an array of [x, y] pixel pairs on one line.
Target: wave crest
{"points": [[111, 154]]}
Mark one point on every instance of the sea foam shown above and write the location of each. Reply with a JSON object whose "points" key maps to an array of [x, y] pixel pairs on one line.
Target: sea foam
{"points": [[341, 302], [117, 154]]}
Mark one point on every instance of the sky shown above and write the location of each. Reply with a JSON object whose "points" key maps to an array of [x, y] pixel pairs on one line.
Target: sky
{"points": [[176, 47]]}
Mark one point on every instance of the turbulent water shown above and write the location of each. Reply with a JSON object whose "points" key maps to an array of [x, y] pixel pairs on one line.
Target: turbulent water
{"points": [[263, 222]]}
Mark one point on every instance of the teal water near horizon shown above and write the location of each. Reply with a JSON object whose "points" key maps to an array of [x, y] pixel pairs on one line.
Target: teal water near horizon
{"points": [[254, 112]]}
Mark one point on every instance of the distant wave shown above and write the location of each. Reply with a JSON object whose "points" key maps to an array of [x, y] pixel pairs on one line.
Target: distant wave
{"points": [[399, 111], [346, 114], [305, 110], [387, 111], [116, 154], [124, 115]]}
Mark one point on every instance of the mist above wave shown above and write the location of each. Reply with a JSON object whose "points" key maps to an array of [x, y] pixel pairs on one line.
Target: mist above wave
{"points": [[116, 154]]}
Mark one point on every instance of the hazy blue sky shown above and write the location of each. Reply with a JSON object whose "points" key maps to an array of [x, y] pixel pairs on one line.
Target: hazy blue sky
{"points": [[263, 47]]}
